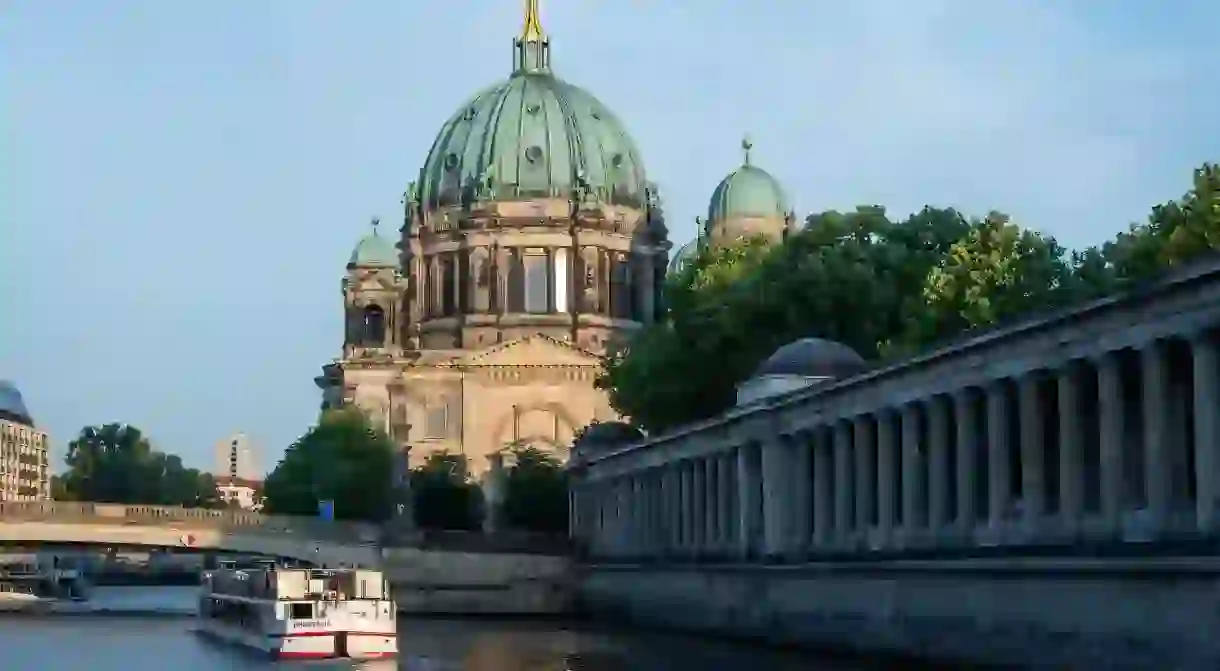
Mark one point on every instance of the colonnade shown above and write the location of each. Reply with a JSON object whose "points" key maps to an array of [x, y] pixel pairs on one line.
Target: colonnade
{"points": [[1122, 444]]}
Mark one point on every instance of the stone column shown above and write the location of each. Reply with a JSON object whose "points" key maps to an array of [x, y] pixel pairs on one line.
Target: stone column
{"points": [[914, 516], [999, 491], [802, 492], [1112, 435], [777, 501], [843, 482], [1206, 361], [647, 276], [698, 506], [727, 475], [967, 449], [1071, 448], [1154, 369], [688, 507], [865, 446], [672, 505], [887, 464], [938, 462], [637, 512], [823, 482], [749, 505], [1033, 444], [711, 507]]}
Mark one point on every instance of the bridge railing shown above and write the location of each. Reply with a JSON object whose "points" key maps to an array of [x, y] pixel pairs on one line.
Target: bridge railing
{"points": [[76, 512]]}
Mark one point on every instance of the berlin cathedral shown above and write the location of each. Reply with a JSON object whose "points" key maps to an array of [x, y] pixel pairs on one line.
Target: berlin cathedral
{"points": [[530, 242]]}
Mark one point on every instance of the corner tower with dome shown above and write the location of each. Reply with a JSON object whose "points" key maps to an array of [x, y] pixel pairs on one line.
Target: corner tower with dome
{"points": [[531, 241], [749, 202]]}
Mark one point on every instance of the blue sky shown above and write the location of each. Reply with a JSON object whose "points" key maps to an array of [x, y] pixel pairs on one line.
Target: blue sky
{"points": [[183, 181]]}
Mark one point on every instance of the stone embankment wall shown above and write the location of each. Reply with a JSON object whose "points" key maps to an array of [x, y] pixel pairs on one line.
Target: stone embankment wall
{"points": [[444, 582]]}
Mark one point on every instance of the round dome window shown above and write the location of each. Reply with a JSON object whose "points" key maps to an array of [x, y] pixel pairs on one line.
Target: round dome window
{"points": [[533, 154], [451, 161]]}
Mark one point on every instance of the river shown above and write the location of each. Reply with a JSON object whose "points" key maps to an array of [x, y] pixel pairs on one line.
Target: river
{"points": [[129, 643]]}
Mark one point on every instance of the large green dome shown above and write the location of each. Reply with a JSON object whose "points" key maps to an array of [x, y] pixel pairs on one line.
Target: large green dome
{"points": [[532, 136]]}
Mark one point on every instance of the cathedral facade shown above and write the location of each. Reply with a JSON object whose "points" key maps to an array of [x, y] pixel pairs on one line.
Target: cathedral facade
{"points": [[531, 242]]}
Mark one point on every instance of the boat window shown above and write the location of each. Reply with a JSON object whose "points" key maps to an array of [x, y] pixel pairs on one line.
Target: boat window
{"points": [[302, 611]]}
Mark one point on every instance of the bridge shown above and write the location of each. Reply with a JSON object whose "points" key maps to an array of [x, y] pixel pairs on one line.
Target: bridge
{"points": [[1043, 491], [303, 539], [432, 573]]}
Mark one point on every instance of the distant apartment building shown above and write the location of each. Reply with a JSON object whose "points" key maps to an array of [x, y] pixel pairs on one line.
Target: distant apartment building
{"points": [[237, 475], [25, 473]]}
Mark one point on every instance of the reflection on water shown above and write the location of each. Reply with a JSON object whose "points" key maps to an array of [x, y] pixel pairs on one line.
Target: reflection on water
{"points": [[157, 643]]}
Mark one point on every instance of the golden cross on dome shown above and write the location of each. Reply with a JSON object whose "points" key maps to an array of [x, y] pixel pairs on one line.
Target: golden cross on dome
{"points": [[375, 222], [532, 32]]}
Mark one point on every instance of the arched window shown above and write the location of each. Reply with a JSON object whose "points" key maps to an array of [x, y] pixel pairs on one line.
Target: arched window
{"points": [[537, 282], [620, 287], [516, 282], [448, 286], [372, 326]]}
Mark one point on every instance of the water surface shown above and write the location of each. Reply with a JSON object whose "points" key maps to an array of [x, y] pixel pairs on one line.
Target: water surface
{"points": [[166, 643]]}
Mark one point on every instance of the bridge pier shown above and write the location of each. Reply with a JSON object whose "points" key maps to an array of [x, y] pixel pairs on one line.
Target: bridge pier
{"points": [[1090, 436]]}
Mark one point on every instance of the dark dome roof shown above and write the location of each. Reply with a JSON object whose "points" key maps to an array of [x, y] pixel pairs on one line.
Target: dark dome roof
{"points": [[12, 406], [813, 357], [607, 434]]}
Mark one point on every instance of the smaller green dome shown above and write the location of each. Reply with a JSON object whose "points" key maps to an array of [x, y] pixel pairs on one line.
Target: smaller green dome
{"points": [[374, 251], [748, 191], [685, 254]]}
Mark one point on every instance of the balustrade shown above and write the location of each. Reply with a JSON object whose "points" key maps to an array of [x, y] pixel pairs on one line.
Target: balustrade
{"points": [[74, 512], [1098, 424]]}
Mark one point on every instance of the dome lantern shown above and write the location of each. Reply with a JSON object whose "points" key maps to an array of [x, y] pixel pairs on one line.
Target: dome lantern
{"points": [[532, 50]]}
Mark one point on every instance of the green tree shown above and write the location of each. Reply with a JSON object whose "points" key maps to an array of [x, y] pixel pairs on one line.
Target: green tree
{"points": [[343, 459], [1175, 232], [444, 496], [114, 463], [853, 277], [535, 492], [995, 271]]}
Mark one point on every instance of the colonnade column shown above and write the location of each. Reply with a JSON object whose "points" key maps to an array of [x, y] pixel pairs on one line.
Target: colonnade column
{"points": [[727, 487], [1206, 364], [748, 494], [1071, 448], [1154, 369], [688, 506], [1033, 444], [711, 508], [939, 480], [887, 464], [999, 489], [823, 498], [777, 494], [967, 447], [698, 512], [801, 533], [842, 480], [1111, 436], [865, 447], [914, 473]]}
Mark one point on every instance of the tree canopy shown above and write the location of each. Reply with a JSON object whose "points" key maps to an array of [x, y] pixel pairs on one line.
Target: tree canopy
{"points": [[343, 459], [535, 492], [443, 494], [885, 288], [115, 463]]}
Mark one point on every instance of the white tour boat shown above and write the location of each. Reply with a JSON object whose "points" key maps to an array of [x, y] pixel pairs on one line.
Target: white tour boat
{"points": [[26, 587], [301, 613]]}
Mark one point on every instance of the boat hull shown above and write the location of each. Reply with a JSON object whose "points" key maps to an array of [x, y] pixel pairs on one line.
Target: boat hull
{"points": [[304, 644], [14, 603]]}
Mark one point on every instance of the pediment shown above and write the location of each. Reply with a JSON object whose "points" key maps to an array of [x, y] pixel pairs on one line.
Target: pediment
{"points": [[533, 350]]}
